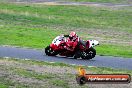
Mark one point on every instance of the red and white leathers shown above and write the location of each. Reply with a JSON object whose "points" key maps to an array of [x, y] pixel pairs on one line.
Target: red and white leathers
{"points": [[71, 44], [72, 41]]}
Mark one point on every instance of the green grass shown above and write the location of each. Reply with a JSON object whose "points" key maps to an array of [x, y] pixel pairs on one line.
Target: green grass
{"points": [[59, 82], [71, 16], [36, 25], [3, 85], [115, 50], [30, 37]]}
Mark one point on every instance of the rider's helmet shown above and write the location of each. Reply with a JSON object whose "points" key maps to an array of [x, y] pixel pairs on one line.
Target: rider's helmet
{"points": [[72, 35]]}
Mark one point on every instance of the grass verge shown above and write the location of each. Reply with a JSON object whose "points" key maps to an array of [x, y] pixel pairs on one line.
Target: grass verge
{"points": [[37, 74], [98, 70]]}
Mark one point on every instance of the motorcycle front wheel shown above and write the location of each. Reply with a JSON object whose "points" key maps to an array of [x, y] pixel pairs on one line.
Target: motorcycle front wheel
{"points": [[49, 51]]}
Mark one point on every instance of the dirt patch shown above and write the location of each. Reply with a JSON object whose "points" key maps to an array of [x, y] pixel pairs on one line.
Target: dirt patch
{"points": [[20, 80], [28, 81], [85, 4], [105, 36], [40, 69], [111, 36]]}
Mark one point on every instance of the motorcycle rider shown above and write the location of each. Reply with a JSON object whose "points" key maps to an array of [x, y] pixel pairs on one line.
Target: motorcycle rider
{"points": [[72, 41]]}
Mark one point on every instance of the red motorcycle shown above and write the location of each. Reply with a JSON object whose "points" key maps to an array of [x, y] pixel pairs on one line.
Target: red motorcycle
{"points": [[57, 48]]}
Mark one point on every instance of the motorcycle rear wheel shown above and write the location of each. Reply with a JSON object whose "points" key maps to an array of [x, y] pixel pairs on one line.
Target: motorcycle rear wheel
{"points": [[89, 54]]}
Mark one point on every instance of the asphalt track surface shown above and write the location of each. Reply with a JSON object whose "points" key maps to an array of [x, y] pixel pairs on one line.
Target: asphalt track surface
{"points": [[99, 61]]}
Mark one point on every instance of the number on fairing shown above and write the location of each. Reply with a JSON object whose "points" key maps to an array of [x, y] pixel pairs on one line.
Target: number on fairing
{"points": [[56, 41]]}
